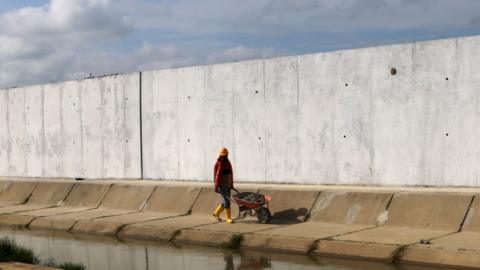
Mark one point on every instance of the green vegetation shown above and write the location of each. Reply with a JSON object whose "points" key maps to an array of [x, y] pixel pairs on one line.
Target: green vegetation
{"points": [[12, 252], [65, 266], [234, 243]]}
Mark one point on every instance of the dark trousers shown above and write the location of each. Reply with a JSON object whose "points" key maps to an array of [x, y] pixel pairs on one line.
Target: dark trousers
{"points": [[225, 192]]}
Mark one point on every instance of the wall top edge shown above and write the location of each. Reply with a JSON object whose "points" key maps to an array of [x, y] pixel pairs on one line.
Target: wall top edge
{"points": [[100, 77], [382, 46]]}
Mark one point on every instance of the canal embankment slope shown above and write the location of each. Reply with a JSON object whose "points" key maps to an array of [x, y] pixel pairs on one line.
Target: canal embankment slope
{"points": [[437, 226]]}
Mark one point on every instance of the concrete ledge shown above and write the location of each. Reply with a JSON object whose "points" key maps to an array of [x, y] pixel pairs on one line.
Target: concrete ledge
{"points": [[444, 257], [361, 250], [111, 225], [148, 233], [99, 228], [209, 238], [278, 243], [456, 250], [47, 223], [15, 220], [23, 266]]}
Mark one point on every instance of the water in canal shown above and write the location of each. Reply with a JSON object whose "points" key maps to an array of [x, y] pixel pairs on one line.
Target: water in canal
{"points": [[98, 253]]}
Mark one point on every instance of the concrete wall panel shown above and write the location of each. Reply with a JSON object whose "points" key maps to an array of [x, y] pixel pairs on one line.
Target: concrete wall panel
{"points": [[352, 131], [34, 131], [132, 155], [395, 105], [436, 63], [466, 133], [219, 113], [249, 120], [4, 136], [160, 96], [72, 129], [16, 128], [192, 129], [317, 159], [92, 111], [282, 110], [53, 125], [113, 137]]}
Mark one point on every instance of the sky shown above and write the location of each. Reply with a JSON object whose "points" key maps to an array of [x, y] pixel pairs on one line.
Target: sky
{"points": [[45, 41]]}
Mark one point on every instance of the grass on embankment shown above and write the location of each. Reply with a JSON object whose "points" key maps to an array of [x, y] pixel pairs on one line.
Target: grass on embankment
{"points": [[12, 252]]}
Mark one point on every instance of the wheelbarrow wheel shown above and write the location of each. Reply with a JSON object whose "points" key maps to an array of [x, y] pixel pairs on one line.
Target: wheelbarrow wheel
{"points": [[263, 215]]}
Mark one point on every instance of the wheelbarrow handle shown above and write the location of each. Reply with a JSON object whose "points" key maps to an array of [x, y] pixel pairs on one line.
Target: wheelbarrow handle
{"points": [[236, 190]]}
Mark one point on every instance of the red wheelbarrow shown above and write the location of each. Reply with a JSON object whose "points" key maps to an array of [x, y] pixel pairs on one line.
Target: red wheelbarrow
{"points": [[253, 204]]}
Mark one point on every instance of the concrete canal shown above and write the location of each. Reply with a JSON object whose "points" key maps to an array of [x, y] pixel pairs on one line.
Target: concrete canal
{"points": [[105, 253]]}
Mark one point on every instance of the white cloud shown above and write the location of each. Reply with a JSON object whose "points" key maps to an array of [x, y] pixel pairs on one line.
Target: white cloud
{"points": [[90, 18], [68, 39], [41, 44]]}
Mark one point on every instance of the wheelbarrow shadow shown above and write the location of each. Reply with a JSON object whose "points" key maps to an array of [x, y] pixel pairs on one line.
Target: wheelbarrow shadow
{"points": [[289, 216]]}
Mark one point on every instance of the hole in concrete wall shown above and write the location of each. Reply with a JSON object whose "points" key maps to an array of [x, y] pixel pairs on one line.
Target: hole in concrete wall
{"points": [[446, 79], [393, 71], [126, 140], [126, 98], [188, 97], [188, 140], [259, 138], [74, 104], [344, 136], [446, 134], [256, 92], [346, 85]]}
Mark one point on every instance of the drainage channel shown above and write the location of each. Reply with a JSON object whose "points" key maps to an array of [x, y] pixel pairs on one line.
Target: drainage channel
{"points": [[104, 253]]}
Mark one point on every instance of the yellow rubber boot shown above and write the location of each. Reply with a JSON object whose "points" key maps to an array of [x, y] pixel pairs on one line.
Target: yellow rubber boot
{"points": [[217, 212], [228, 212]]}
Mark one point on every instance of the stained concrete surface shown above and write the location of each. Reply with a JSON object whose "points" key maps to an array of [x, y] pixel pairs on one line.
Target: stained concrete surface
{"points": [[83, 196], [287, 207], [412, 217], [165, 229], [44, 195], [334, 213], [457, 249], [83, 128], [413, 214], [120, 199], [15, 192], [165, 202], [325, 118]]}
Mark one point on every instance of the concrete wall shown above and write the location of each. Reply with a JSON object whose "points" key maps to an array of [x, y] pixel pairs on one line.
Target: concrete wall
{"points": [[327, 118], [87, 128], [336, 118]]}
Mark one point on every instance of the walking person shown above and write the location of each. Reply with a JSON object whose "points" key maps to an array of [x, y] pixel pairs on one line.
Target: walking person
{"points": [[223, 176]]}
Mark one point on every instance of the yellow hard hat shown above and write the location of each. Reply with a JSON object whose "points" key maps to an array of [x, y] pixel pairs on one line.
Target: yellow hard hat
{"points": [[223, 151]]}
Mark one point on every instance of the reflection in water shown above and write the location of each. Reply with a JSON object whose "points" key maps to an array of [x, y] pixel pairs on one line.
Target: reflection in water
{"points": [[112, 254]]}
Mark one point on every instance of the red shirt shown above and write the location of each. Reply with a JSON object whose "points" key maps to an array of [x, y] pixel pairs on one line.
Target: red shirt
{"points": [[223, 173]]}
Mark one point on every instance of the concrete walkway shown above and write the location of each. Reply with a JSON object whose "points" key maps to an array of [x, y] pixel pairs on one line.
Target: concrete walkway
{"points": [[437, 226]]}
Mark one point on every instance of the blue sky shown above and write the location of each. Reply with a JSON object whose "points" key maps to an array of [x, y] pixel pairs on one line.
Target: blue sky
{"points": [[52, 40]]}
